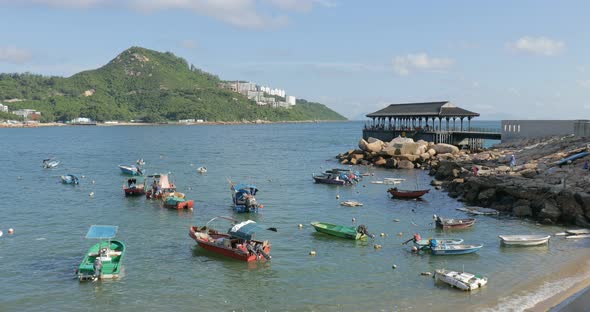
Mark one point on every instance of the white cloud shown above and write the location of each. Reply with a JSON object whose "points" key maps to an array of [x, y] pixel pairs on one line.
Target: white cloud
{"points": [[538, 45], [300, 5], [584, 83], [14, 55], [404, 65]]}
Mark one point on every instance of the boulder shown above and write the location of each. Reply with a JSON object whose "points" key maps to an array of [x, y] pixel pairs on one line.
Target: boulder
{"points": [[390, 163], [549, 211], [442, 148], [530, 166], [380, 162], [486, 196], [372, 146], [431, 151], [446, 156], [399, 139], [353, 161], [436, 183], [357, 156], [522, 211], [569, 207], [447, 170], [481, 156], [401, 148], [502, 169], [344, 161], [459, 180], [581, 221], [405, 164], [424, 157], [528, 173], [411, 158], [584, 200]]}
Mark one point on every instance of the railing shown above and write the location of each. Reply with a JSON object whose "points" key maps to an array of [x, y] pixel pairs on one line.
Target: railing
{"points": [[432, 129]]}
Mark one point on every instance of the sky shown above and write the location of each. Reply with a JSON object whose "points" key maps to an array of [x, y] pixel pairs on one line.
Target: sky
{"points": [[526, 59]]}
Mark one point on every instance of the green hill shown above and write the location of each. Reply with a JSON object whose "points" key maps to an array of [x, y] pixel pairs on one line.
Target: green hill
{"points": [[148, 85]]}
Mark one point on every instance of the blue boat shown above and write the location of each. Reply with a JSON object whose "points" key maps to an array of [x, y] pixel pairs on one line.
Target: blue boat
{"points": [[69, 179], [131, 170], [571, 158], [243, 198], [452, 249]]}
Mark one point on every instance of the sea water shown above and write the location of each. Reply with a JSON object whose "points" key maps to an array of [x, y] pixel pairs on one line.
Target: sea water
{"points": [[164, 270]]}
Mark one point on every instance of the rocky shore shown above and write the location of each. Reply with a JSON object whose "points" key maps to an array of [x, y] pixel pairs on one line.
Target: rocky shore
{"points": [[536, 187]]}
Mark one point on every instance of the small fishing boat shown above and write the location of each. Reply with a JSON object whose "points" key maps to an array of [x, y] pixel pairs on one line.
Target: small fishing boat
{"points": [[177, 200], [388, 181], [105, 259], [407, 194], [156, 185], [461, 280], [131, 170], [577, 232], [450, 223], [342, 231], [337, 176], [50, 163], [452, 249], [69, 179], [202, 170], [479, 210], [132, 188], [524, 240], [243, 198], [422, 244], [351, 203], [571, 158], [578, 236], [237, 243]]}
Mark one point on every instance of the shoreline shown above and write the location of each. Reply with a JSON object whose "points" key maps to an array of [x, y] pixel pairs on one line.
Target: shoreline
{"points": [[207, 123]]}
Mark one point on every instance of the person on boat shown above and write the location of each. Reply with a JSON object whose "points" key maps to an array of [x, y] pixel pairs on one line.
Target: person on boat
{"points": [[139, 170]]}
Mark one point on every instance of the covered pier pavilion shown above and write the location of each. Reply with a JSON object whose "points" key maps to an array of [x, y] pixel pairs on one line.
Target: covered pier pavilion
{"points": [[439, 122]]}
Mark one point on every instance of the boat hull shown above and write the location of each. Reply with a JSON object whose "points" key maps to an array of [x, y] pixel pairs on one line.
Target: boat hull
{"points": [[187, 204], [405, 194], [111, 266], [244, 209], [322, 180], [456, 249], [454, 223], [522, 240], [462, 280], [209, 239], [136, 191], [128, 170], [347, 232]]}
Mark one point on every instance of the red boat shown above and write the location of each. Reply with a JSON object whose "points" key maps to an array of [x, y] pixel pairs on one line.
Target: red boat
{"points": [[176, 200], [453, 223], [237, 243], [158, 186], [407, 194], [132, 188]]}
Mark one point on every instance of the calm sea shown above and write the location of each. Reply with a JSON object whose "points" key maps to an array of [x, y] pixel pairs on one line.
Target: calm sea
{"points": [[166, 271]]}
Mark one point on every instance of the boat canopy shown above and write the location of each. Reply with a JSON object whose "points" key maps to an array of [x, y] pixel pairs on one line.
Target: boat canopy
{"points": [[102, 231], [244, 230], [242, 186]]}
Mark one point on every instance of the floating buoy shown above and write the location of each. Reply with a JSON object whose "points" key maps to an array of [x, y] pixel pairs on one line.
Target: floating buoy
{"points": [[414, 249], [382, 234], [93, 182], [426, 273], [395, 220], [400, 234], [300, 225], [337, 196], [1, 233], [377, 246], [11, 231], [261, 206], [353, 220], [83, 177], [312, 253], [91, 194], [394, 266]]}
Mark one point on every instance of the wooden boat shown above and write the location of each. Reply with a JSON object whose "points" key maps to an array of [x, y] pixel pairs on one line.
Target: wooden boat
{"points": [[461, 280], [342, 231], [131, 170], [578, 236], [50, 163], [131, 188], [479, 210], [524, 240], [455, 249], [407, 194], [69, 179], [156, 185], [237, 243], [445, 223], [177, 200], [351, 203], [243, 198], [104, 259], [577, 232]]}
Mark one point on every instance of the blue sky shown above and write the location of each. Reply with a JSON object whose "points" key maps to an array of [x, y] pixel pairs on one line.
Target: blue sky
{"points": [[504, 59]]}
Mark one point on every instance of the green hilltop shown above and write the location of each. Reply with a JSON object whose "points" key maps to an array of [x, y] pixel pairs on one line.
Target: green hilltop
{"points": [[147, 85]]}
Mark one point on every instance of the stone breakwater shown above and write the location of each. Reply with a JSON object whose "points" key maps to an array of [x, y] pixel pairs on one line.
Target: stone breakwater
{"points": [[535, 188]]}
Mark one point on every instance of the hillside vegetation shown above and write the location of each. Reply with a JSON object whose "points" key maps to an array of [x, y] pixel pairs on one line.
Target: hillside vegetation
{"points": [[147, 85]]}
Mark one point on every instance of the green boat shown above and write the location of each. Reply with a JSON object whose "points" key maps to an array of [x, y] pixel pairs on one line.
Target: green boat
{"points": [[104, 259], [349, 232]]}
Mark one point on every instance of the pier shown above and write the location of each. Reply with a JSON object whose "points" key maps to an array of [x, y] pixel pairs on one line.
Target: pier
{"points": [[438, 122]]}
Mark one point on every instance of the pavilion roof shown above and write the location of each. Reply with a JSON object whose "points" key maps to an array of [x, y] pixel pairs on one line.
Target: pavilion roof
{"points": [[425, 109]]}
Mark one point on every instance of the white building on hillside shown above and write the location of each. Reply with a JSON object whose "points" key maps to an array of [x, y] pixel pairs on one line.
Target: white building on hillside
{"points": [[291, 100], [3, 108]]}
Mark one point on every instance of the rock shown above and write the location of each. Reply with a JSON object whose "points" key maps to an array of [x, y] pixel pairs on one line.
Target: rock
{"points": [[482, 156], [424, 157], [442, 148], [528, 173], [530, 166], [436, 183], [502, 169], [431, 151], [409, 157], [446, 156], [522, 211], [391, 163], [447, 170], [352, 161], [407, 148], [344, 161], [405, 164], [582, 221], [569, 207], [459, 180], [549, 211], [584, 200], [373, 145], [487, 196], [364, 162], [380, 161], [357, 156]]}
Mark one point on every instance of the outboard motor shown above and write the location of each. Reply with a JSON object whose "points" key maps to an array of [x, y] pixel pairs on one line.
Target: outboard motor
{"points": [[261, 251], [251, 203]]}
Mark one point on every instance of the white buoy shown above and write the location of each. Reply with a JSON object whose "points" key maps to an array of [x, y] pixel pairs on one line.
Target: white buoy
{"points": [[394, 266], [337, 196], [91, 194], [300, 225], [312, 253], [377, 246], [1, 233], [11, 231], [353, 220], [93, 182]]}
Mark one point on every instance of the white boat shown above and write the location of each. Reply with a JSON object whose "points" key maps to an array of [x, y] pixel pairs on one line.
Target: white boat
{"points": [[524, 240], [577, 232], [50, 163], [479, 210], [351, 203], [202, 169], [578, 236], [461, 280], [389, 181]]}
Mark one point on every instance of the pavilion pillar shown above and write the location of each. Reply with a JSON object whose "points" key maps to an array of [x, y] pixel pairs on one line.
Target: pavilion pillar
{"points": [[439, 123], [469, 123], [447, 118], [454, 123], [462, 124]]}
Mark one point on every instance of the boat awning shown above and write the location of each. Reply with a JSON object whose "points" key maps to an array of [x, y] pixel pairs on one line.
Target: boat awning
{"points": [[102, 231], [244, 186], [244, 230], [164, 183]]}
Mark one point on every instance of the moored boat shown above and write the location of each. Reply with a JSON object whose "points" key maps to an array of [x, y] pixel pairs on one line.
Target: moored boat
{"points": [[243, 198], [406, 194], [349, 232], [103, 260], [577, 231], [451, 223], [237, 243], [156, 185], [50, 163], [177, 200], [524, 240], [132, 188], [479, 210], [131, 170], [69, 179], [578, 236], [461, 280], [453, 249], [351, 203], [337, 176]]}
